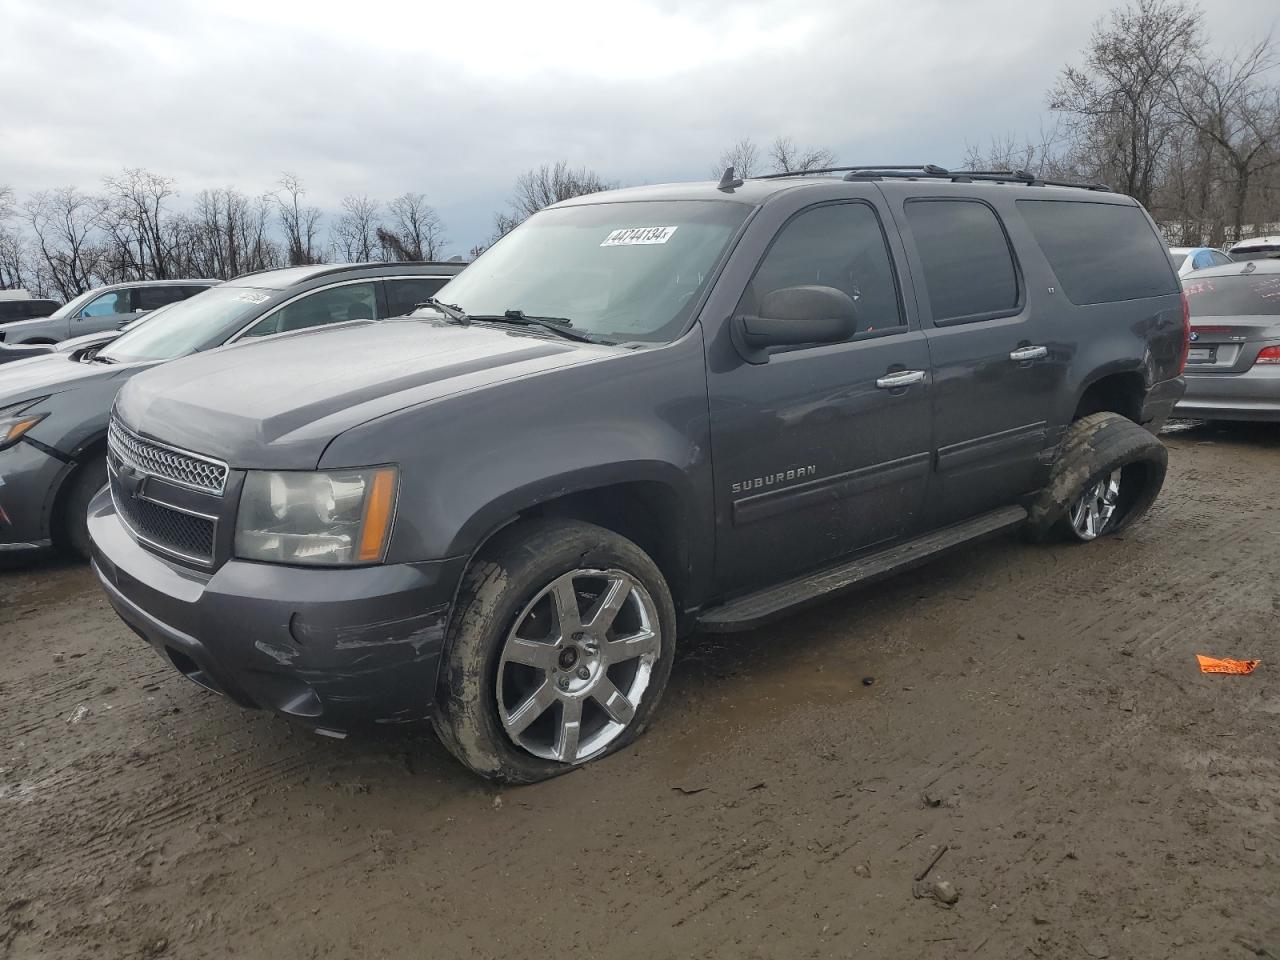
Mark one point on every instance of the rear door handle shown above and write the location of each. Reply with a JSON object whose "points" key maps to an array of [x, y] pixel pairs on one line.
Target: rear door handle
{"points": [[902, 378], [1023, 354]]}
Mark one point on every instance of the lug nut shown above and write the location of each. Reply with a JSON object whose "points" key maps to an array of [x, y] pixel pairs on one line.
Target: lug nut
{"points": [[564, 683], [584, 674]]}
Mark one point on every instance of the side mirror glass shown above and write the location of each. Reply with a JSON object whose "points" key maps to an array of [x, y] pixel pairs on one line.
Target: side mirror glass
{"points": [[793, 316]]}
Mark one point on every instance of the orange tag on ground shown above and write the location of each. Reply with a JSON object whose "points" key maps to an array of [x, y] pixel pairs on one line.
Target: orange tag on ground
{"points": [[1215, 665]]}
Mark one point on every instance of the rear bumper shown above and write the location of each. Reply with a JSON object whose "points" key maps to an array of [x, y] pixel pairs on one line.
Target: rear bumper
{"points": [[1251, 395], [336, 649], [28, 479], [1160, 401]]}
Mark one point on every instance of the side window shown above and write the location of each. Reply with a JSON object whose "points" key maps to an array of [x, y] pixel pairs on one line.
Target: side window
{"points": [[1220, 259], [839, 245], [150, 298], [1203, 259], [969, 273], [1100, 252], [117, 301], [404, 295], [352, 301]]}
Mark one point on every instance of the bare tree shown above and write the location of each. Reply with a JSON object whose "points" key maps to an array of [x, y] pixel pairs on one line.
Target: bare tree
{"points": [[743, 156], [300, 223], [544, 186], [1118, 101], [227, 235], [415, 230], [1228, 102], [356, 229], [132, 216], [63, 222], [786, 157]]}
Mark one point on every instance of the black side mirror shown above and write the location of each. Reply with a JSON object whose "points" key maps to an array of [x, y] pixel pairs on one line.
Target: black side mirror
{"points": [[793, 316]]}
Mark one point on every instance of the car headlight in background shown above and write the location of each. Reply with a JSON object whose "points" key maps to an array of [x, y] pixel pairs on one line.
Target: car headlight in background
{"points": [[338, 517], [15, 421]]}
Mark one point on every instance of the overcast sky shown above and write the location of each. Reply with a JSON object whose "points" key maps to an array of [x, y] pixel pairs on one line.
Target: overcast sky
{"points": [[456, 99]]}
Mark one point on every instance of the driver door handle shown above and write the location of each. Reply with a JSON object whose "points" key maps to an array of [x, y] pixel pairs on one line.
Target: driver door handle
{"points": [[1023, 354], [902, 378]]}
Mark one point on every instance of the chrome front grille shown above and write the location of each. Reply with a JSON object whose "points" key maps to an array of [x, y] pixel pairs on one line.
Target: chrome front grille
{"points": [[170, 463], [158, 525]]}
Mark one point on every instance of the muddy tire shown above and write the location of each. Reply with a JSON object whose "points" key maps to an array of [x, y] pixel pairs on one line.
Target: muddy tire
{"points": [[85, 484], [558, 651], [1108, 473]]}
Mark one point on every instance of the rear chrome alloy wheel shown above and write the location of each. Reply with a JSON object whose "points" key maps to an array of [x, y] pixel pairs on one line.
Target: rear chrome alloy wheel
{"points": [[1095, 509], [577, 663]]}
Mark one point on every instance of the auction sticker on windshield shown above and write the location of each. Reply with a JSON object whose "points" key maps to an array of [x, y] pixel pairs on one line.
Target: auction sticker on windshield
{"points": [[632, 236]]}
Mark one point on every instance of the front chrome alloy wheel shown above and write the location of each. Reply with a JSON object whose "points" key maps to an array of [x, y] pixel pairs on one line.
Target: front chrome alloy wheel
{"points": [[1094, 510], [577, 663]]}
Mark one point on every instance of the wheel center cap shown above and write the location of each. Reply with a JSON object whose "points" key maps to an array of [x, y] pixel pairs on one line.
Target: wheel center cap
{"points": [[568, 657]]}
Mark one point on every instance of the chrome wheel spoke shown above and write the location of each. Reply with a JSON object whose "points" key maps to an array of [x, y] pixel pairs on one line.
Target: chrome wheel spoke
{"points": [[534, 706], [628, 648], [532, 653], [610, 698], [566, 605], [608, 606], [570, 730]]}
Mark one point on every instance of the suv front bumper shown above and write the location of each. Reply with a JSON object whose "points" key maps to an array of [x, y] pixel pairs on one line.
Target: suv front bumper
{"points": [[334, 648]]}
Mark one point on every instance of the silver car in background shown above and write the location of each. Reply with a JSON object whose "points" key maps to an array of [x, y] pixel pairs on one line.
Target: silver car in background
{"points": [[1233, 367], [101, 309]]}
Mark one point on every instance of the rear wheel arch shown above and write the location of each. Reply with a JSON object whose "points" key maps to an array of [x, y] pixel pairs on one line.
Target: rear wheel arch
{"points": [[1117, 391]]}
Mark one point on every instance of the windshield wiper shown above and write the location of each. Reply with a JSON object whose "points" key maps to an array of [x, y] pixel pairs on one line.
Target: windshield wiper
{"points": [[450, 310], [558, 325]]}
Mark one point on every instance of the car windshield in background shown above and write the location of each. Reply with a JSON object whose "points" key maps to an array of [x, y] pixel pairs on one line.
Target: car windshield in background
{"points": [[618, 271], [73, 306], [202, 321], [1177, 259], [1234, 296]]}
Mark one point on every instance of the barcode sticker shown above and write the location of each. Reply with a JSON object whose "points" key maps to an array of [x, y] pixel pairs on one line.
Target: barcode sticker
{"points": [[633, 236]]}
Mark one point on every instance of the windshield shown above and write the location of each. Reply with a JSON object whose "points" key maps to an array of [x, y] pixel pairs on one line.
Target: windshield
{"points": [[1249, 295], [73, 306], [199, 322], [620, 271]]}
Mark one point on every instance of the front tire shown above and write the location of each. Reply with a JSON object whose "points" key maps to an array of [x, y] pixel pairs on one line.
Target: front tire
{"points": [[85, 484], [558, 651]]}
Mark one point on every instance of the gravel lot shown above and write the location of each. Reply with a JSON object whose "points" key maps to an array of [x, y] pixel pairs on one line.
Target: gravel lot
{"points": [[1037, 710]]}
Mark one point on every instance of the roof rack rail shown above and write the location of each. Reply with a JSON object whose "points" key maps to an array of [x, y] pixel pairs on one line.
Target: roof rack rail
{"points": [[873, 166], [931, 171]]}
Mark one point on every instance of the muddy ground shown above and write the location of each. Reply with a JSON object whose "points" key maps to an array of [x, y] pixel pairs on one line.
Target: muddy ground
{"points": [[1035, 710]]}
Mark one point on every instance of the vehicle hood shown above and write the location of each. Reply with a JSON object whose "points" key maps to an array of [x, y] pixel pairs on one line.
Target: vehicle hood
{"points": [[277, 403], [52, 373], [15, 328]]}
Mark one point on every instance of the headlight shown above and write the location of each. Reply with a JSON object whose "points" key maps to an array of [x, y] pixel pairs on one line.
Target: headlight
{"points": [[14, 421], [339, 517]]}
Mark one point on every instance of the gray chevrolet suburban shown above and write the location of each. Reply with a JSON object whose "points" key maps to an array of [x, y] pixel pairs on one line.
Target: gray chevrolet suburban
{"points": [[643, 412]]}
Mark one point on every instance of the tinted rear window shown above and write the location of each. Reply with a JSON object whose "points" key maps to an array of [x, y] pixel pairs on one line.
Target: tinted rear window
{"points": [[968, 269], [1234, 296], [1101, 252]]}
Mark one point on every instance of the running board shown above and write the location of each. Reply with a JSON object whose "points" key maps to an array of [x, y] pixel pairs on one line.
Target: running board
{"points": [[746, 613]]}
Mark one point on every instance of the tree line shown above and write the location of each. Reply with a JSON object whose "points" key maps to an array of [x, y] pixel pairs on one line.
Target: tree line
{"points": [[1151, 108], [63, 241]]}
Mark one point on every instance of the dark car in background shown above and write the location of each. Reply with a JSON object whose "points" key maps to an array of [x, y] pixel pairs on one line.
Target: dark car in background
{"points": [[102, 308], [640, 412], [54, 408], [1233, 365], [20, 305]]}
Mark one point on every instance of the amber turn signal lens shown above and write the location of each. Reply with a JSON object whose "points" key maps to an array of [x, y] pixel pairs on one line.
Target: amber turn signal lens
{"points": [[378, 511]]}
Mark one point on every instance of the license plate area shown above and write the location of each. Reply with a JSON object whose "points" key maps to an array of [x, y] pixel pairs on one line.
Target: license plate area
{"points": [[1202, 355]]}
